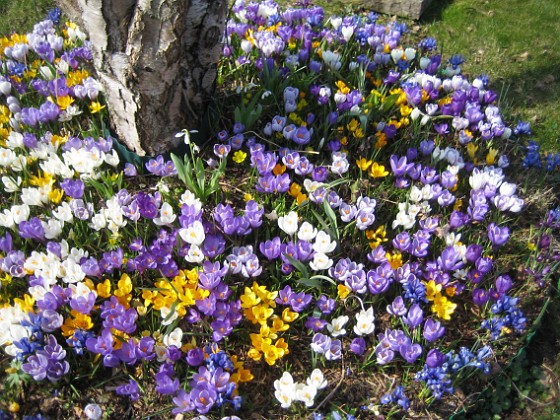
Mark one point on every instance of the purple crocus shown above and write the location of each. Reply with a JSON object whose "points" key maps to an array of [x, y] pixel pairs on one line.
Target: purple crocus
{"points": [[130, 389], [414, 317], [73, 187], [433, 330], [435, 358], [498, 235], [410, 352], [358, 346], [32, 229], [203, 397]]}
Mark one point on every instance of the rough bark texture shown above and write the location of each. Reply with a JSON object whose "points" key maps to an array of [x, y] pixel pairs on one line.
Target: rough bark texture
{"points": [[157, 60]]}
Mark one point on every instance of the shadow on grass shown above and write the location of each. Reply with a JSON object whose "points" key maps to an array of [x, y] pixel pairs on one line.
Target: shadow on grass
{"points": [[434, 11], [531, 86]]}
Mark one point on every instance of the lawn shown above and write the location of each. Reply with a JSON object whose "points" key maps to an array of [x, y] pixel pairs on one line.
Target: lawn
{"points": [[521, 58]]}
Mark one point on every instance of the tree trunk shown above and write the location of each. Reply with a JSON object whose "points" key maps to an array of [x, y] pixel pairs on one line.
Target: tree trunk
{"points": [[157, 61]]}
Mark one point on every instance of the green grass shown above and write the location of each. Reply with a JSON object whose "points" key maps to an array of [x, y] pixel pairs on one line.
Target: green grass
{"points": [[516, 43], [20, 15]]}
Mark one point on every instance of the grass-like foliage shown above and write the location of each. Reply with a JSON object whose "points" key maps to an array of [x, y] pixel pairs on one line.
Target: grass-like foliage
{"points": [[357, 238]]}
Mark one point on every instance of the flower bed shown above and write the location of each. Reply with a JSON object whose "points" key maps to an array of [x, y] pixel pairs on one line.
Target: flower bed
{"points": [[346, 243]]}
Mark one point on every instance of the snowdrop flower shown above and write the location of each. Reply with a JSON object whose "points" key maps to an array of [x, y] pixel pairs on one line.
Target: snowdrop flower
{"points": [[323, 243], [289, 223], [336, 327], [365, 322], [307, 232], [166, 215], [194, 234], [317, 380], [320, 262]]}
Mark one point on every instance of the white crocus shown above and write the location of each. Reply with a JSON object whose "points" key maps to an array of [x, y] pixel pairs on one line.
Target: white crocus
{"points": [[306, 394], [174, 338], [336, 327], [285, 390], [347, 32], [307, 232], [166, 215], [73, 272], [32, 196], [317, 379], [320, 262], [7, 157], [289, 223], [52, 228], [194, 254], [7, 219], [20, 213], [323, 243], [365, 322], [15, 140], [10, 184], [64, 213], [194, 234]]}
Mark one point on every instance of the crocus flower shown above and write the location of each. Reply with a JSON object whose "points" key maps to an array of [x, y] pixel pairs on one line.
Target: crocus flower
{"points": [[498, 235], [365, 322]]}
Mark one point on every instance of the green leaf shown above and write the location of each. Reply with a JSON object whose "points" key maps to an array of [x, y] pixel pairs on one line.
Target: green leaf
{"points": [[313, 282], [332, 218], [321, 277], [180, 167], [298, 265]]}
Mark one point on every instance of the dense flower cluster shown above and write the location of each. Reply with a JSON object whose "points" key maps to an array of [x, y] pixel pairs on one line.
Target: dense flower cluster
{"points": [[373, 205]]}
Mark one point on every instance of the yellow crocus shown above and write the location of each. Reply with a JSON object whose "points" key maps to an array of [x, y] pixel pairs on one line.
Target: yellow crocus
{"points": [[491, 156], [432, 290], [95, 107], [342, 291], [443, 307], [239, 156], [64, 101], [26, 304], [378, 171], [363, 163], [55, 195], [471, 150]]}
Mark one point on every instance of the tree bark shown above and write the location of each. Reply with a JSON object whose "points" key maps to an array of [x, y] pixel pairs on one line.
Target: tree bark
{"points": [[157, 61]]}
